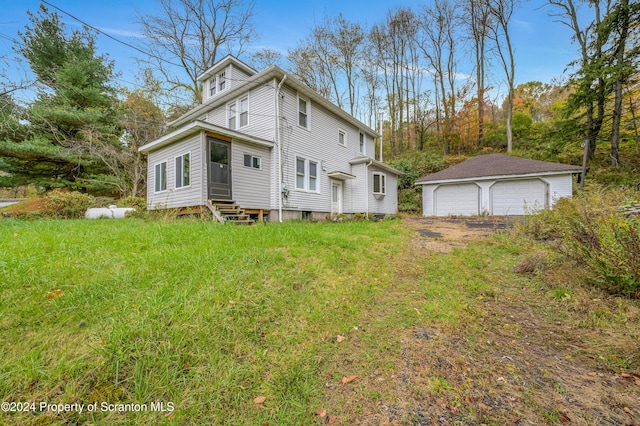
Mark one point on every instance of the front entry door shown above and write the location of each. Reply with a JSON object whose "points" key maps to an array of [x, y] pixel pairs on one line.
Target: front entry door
{"points": [[336, 197], [219, 169]]}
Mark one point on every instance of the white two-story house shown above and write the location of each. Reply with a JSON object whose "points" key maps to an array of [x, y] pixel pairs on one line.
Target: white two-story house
{"points": [[272, 145]]}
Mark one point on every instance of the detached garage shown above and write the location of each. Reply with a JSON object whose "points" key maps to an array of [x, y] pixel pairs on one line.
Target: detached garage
{"points": [[496, 184]]}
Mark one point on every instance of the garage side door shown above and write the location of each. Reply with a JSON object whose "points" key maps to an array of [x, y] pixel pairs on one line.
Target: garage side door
{"points": [[516, 197], [457, 199]]}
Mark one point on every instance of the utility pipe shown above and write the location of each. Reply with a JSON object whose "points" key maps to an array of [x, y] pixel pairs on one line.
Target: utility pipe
{"points": [[279, 174]]}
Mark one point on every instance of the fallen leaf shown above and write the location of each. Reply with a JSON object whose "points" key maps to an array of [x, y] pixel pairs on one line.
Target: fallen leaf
{"points": [[417, 311], [332, 419], [564, 418], [170, 416], [54, 294], [349, 379], [628, 411], [265, 424], [340, 338], [484, 406], [322, 413], [367, 413], [514, 419], [15, 235], [102, 340], [267, 376], [259, 401]]}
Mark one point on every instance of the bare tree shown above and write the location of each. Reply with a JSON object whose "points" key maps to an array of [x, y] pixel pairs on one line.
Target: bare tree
{"points": [[264, 58], [479, 25], [189, 36], [501, 11], [438, 44]]}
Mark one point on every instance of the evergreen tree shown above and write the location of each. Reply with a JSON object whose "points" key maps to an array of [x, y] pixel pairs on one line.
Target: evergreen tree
{"points": [[74, 116]]}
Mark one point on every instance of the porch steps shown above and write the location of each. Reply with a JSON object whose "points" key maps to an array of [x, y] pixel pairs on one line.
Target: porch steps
{"points": [[227, 211]]}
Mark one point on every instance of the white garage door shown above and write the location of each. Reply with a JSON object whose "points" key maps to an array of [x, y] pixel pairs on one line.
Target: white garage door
{"points": [[518, 197], [459, 199]]}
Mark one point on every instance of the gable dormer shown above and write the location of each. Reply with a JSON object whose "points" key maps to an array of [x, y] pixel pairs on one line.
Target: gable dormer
{"points": [[223, 75]]}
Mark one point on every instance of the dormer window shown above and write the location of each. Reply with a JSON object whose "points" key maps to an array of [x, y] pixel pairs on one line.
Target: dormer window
{"points": [[222, 81], [217, 83], [212, 86]]}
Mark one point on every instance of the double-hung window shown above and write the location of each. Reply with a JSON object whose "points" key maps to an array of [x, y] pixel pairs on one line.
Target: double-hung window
{"points": [[222, 81], [244, 111], [379, 183], [183, 170], [212, 86], [303, 112], [362, 143], [231, 116], [160, 177], [306, 175]]}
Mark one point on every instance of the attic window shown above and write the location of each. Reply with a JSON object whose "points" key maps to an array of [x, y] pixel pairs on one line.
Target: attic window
{"points": [[222, 81], [212, 86]]}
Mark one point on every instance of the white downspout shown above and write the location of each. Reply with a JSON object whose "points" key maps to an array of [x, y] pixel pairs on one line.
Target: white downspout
{"points": [[366, 186], [279, 174]]}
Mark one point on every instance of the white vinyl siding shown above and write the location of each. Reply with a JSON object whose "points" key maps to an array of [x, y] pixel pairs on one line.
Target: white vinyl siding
{"points": [[251, 186], [186, 196], [261, 125], [183, 170]]}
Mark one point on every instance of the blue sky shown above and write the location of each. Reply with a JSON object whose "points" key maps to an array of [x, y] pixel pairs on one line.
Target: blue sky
{"points": [[543, 47]]}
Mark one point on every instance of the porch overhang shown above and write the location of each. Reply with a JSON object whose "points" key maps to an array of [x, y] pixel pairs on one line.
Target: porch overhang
{"points": [[198, 126], [376, 163], [337, 175]]}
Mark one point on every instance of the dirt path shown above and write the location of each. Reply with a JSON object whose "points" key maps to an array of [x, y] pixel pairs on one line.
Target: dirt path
{"points": [[514, 365]]}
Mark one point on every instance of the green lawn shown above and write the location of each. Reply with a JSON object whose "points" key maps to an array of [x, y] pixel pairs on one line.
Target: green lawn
{"points": [[202, 316], [240, 325]]}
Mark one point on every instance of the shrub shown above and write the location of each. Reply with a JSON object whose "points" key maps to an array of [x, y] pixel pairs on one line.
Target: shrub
{"points": [[137, 203], [592, 231], [68, 205]]}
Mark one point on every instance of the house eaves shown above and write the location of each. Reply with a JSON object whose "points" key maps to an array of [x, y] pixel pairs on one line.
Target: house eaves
{"points": [[273, 72], [197, 126], [223, 63], [496, 177], [376, 163]]}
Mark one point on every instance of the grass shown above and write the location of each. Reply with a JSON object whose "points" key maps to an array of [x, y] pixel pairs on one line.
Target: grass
{"points": [[209, 317], [203, 316]]}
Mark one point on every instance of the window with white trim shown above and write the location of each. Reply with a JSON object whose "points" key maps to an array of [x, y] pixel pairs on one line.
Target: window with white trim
{"points": [[231, 116], [212, 86], [244, 111], [183, 170], [222, 81], [303, 112], [342, 137], [252, 161], [379, 183], [160, 177], [306, 175], [362, 143]]}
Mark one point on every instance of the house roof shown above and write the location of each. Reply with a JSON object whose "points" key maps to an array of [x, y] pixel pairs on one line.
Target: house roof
{"points": [[273, 72], [196, 126], [223, 63], [497, 165]]}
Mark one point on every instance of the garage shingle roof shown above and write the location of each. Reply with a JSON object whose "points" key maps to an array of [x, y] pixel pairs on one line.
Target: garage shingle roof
{"points": [[497, 165]]}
